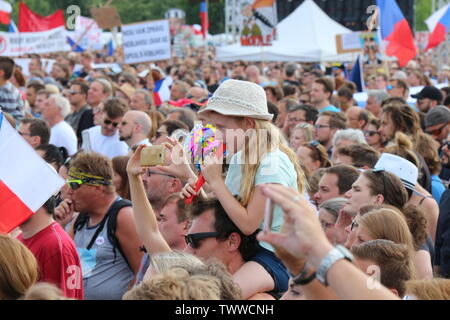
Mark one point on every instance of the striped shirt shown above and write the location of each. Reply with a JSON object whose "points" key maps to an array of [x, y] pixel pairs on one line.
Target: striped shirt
{"points": [[11, 101]]}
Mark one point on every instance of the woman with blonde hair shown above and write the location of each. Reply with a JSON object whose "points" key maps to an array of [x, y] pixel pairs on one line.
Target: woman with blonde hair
{"points": [[164, 261], [390, 224], [433, 289], [18, 268], [301, 134]]}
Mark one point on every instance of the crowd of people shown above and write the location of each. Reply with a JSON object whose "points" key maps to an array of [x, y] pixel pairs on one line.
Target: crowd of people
{"points": [[317, 195]]}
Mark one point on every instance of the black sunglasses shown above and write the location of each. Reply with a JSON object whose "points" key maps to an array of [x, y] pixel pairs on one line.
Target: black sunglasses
{"points": [[108, 122], [353, 225], [437, 131], [193, 239], [370, 133]]}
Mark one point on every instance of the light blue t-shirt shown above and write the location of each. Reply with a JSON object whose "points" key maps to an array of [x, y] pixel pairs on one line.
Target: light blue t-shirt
{"points": [[275, 167], [330, 108]]}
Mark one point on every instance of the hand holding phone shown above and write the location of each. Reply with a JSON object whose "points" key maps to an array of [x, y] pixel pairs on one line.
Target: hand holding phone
{"points": [[153, 156]]}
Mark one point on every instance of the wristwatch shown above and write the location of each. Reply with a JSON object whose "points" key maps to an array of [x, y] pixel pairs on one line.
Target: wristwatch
{"points": [[301, 278], [337, 253]]}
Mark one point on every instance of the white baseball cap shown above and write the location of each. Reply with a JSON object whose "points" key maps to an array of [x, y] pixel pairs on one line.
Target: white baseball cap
{"points": [[402, 168]]}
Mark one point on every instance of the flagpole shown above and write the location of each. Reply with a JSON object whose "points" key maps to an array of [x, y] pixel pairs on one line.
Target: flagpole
{"points": [[206, 31]]}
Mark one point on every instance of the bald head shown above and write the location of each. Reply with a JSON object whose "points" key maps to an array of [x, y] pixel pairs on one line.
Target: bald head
{"points": [[357, 118], [135, 127], [197, 93]]}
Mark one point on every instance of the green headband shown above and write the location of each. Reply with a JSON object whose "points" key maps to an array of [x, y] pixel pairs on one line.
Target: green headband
{"points": [[75, 173]]}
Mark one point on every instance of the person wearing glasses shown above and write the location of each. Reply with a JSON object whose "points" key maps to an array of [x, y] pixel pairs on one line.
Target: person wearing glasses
{"points": [[328, 214], [326, 126], [238, 69], [81, 117], [437, 123], [211, 234], [110, 256], [104, 138], [55, 109], [34, 131], [135, 128], [373, 137]]}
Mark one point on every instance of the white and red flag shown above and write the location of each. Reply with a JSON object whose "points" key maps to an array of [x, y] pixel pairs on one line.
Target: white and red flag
{"points": [[5, 12], [26, 180]]}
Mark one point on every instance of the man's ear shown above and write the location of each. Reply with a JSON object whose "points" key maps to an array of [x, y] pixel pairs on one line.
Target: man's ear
{"points": [[234, 241]]}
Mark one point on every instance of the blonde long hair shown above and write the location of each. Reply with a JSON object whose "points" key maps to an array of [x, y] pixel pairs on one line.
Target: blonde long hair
{"points": [[389, 224], [273, 140]]}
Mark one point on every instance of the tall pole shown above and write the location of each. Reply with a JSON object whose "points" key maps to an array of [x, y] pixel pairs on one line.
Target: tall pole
{"points": [[206, 31]]}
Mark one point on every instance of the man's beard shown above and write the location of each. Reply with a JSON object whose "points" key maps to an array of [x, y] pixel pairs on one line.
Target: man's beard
{"points": [[125, 138]]}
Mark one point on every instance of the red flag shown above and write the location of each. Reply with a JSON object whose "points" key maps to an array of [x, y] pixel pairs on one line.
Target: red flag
{"points": [[5, 12], [32, 22]]}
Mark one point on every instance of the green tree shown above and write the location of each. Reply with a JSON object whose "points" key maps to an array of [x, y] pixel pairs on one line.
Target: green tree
{"points": [[423, 11]]}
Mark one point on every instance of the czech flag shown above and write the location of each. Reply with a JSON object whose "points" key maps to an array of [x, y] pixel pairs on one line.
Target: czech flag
{"points": [[32, 22], [204, 18], [440, 28], [26, 180], [5, 12], [396, 31]]}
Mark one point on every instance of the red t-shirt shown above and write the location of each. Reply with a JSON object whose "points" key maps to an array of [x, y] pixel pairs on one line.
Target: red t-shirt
{"points": [[58, 259]]}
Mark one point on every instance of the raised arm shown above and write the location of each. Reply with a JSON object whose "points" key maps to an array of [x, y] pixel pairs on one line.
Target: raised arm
{"points": [[144, 216]]}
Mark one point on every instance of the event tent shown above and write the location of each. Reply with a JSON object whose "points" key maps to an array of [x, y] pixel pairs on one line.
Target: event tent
{"points": [[306, 35]]}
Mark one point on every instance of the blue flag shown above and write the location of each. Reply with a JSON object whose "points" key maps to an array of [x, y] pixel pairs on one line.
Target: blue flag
{"points": [[72, 43], [111, 47], [356, 75]]}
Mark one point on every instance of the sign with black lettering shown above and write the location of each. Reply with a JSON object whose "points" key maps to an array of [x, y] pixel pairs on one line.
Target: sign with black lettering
{"points": [[146, 41]]}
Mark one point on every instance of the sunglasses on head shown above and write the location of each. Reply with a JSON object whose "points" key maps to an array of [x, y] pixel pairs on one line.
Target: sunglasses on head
{"points": [[193, 239], [437, 131], [108, 122]]}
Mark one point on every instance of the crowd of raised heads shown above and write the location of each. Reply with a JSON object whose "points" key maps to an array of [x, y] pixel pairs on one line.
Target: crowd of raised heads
{"points": [[321, 192]]}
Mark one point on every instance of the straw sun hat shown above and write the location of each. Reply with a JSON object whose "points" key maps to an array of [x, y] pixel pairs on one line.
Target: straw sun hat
{"points": [[241, 99]]}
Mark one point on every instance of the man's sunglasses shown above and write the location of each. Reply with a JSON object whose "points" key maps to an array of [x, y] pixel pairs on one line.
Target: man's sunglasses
{"points": [[437, 131], [74, 184], [108, 122], [193, 239]]}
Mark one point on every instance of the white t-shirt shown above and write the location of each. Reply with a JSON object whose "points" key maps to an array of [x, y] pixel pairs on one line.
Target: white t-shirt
{"points": [[62, 135], [109, 146]]}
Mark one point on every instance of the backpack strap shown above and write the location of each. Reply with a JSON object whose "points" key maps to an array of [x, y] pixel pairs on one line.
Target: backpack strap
{"points": [[111, 227]]}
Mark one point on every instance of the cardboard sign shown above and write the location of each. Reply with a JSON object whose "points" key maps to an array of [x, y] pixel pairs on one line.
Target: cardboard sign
{"points": [[16, 44], [348, 43], [146, 41], [106, 17]]}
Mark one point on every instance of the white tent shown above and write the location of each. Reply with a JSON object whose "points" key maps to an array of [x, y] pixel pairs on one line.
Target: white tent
{"points": [[306, 35]]}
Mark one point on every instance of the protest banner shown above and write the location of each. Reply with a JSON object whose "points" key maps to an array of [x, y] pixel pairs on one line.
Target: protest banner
{"points": [[92, 39], [16, 44], [259, 23], [146, 41]]}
